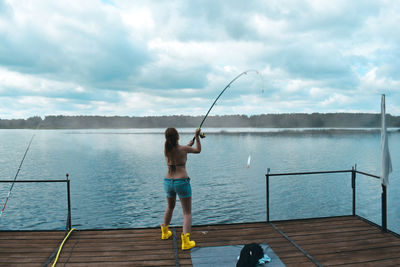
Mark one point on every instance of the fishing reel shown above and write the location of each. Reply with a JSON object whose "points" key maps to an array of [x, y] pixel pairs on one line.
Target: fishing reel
{"points": [[202, 135]]}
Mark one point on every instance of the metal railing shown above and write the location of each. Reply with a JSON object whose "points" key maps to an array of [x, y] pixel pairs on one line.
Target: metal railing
{"points": [[353, 172], [67, 181]]}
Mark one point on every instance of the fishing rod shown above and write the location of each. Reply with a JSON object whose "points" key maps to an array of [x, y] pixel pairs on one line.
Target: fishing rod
{"points": [[16, 175], [202, 135]]}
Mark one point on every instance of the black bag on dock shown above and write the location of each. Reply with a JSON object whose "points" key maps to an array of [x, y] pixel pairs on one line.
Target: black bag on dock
{"points": [[249, 255]]}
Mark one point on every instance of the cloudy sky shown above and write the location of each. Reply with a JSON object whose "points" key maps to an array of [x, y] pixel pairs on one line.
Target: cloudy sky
{"points": [[139, 58]]}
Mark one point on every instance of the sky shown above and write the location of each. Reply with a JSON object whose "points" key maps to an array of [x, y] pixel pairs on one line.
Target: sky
{"points": [[150, 58]]}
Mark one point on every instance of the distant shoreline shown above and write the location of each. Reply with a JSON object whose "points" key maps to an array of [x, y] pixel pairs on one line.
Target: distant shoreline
{"points": [[289, 121], [224, 131]]}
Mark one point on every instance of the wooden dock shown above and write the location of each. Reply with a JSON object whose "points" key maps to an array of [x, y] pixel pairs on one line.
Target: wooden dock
{"points": [[337, 241]]}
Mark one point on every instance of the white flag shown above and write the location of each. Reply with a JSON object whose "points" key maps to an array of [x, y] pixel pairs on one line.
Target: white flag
{"points": [[386, 163]]}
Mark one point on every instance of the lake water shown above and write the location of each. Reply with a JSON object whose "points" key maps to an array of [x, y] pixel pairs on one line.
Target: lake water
{"points": [[116, 177]]}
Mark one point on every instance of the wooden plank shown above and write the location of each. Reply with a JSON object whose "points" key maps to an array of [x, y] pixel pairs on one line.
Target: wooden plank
{"points": [[325, 225], [338, 241], [327, 236], [317, 220], [359, 256], [393, 262]]}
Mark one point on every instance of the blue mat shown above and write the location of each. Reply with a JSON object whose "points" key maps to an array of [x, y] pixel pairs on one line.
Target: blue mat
{"points": [[227, 256]]}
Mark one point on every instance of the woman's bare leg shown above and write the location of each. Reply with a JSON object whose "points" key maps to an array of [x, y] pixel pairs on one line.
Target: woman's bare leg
{"points": [[187, 214], [169, 210]]}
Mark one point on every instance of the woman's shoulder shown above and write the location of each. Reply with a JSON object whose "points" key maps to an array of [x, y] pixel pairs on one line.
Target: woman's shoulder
{"points": [[183, 148]]}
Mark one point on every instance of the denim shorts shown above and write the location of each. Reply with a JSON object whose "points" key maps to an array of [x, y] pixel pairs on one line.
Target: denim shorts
{"points": [[180, 186]]}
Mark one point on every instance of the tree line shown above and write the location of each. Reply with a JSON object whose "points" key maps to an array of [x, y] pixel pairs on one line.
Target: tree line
{"points": [[289, 120]]}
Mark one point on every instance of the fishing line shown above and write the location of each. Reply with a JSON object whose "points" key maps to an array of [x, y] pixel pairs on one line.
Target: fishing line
{"points": [[202, 135], [16, 175]]}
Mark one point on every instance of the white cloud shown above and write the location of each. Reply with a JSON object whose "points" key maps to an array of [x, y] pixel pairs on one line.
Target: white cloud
{"points": [[269, 28], [139, 19], [174, 57], [30, 84], [316, 92], [337, 100]]}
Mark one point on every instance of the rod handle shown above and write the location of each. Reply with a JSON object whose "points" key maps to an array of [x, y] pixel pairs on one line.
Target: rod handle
{"points": [[202, 135]]}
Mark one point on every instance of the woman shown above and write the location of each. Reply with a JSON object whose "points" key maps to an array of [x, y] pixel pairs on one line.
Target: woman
{"points": [[177, 181]]}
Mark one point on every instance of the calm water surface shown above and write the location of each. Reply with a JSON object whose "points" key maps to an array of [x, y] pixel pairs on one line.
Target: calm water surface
{"points": [[116, 177]]}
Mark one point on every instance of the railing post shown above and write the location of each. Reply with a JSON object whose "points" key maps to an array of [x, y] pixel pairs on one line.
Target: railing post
{"points": [[384, 208], [353, 185], [267, 193], [69, 203]]}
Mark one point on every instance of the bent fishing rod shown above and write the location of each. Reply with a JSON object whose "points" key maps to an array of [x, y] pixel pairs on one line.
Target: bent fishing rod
{"points": [[202, 135], [16, 175]]}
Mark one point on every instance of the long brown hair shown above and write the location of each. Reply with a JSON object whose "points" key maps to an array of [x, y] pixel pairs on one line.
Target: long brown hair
{"points": [[171, 140]]}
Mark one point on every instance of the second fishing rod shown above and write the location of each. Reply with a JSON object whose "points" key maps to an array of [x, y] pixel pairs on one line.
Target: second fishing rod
{"points": [[16, 175]]}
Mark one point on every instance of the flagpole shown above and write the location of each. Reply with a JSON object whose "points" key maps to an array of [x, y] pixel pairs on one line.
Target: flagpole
{"points": [[384, 208], [386, 163]]}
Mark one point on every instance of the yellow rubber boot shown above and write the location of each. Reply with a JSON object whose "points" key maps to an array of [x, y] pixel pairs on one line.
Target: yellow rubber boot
{"points": [[186, 243], [165, 233]]}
